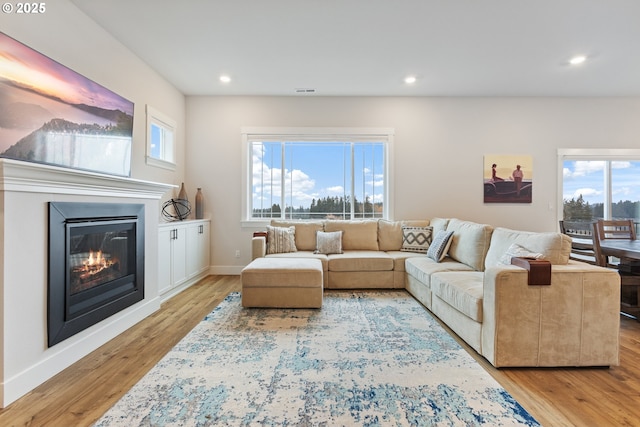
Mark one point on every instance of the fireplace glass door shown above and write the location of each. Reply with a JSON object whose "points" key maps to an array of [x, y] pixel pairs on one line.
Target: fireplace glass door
{"points": [[100, 256]]}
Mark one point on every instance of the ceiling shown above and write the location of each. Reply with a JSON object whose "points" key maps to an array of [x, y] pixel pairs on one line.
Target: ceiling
{"points": [[368, 47]]}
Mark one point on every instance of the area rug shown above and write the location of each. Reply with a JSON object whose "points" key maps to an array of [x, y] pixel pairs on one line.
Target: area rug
{"points": [[366, 358]]}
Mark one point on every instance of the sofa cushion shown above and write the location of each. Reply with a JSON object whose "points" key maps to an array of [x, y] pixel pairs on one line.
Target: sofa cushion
{"points": [[281, 240], [470, 242], [440, 245], [554, 247], [438, 224], [359, 235], [461, 290], [304, 254], [360, 261], [416, 239], [390, 233], [328, 242], [399, 258], [305, 232], [422, 267]]}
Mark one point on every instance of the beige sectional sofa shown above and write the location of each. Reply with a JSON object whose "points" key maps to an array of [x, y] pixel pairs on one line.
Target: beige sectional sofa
{"points": [[474, 290]]}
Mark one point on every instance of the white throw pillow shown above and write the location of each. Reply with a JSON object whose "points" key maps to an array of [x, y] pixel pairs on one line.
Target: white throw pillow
{"points": [[515, 250], [281, 240], [328, 242]]}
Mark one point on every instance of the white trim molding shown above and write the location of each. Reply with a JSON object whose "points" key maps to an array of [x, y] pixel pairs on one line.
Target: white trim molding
{"points": [[257, 133], [29, 177]]}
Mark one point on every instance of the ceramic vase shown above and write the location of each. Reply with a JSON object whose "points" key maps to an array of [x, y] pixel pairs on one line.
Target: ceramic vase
{"points": [[199, 204], [183, 208]]}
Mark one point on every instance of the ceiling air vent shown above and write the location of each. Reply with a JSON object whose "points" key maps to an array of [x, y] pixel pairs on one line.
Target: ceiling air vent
{"points": [[305, 90]]}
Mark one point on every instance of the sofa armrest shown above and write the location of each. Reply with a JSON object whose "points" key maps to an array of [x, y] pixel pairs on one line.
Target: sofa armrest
{"points": [[573, 322], [258, 247]]}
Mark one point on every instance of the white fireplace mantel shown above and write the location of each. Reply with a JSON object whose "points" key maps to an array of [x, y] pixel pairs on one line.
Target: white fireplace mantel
{"points": [[25, 191], [30, 177]]}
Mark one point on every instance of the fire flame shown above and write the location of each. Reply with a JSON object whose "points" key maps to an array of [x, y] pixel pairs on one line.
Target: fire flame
{"points": [[96, 262]]}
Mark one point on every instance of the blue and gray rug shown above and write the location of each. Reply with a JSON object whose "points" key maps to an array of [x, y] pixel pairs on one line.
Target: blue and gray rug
{"points": [[364, 359]]}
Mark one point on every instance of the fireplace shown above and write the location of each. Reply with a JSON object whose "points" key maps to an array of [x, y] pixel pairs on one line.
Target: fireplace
{"points": [[96, 264]]}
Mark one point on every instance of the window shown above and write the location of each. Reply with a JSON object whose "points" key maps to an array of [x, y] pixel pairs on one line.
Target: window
{"points": [[600, 184], [317, 173], [160, 139]]}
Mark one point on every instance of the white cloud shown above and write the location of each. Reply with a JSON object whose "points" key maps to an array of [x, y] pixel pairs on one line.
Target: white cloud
{"points": [[585, 192], [583, 167], [586, 167], [620, 165], [337, 190], [268, 180], [377, 198], [623, 191]]}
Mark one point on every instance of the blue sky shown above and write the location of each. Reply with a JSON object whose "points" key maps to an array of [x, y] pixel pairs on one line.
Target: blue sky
{"points": [[314, 171], [587, 178]]}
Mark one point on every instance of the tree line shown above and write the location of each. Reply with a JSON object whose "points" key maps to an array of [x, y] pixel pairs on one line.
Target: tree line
{"points": [[581, 210], [333, 207]]}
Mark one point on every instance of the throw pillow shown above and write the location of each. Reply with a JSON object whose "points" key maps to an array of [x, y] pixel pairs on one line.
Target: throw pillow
{"points": [[281, 240], [416, 239], [515, 250], [440, 245], [328, 242]]}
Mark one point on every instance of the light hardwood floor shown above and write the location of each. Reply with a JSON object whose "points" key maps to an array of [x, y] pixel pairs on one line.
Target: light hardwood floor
{"points": [[79, 395]]}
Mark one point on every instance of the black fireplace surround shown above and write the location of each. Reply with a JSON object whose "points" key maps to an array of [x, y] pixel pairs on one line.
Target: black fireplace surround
{"points": [[96, 264]]}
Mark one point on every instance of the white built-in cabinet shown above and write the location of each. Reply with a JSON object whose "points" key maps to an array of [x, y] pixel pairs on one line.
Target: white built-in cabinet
{"points": [[183, 255]]}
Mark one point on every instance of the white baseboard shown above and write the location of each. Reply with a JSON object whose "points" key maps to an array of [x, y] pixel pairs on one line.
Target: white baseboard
{"points": [[74, 349], [226, 270]]}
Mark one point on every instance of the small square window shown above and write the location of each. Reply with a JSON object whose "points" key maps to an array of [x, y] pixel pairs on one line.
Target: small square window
{"points": [[160, 139]]}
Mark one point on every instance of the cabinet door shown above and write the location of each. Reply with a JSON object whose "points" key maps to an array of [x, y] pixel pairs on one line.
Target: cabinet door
{"points": [[165, 279], [197, 248], [179, 256], [205, 246]]}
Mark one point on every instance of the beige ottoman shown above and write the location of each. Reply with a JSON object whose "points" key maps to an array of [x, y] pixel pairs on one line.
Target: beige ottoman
{"points": [[282, 283]]}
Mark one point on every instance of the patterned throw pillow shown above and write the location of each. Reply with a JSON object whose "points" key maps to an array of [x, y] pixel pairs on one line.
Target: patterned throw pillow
{"points": [[281, 240], [440, 245], [328, 242], [515, 250], [416, 239]]}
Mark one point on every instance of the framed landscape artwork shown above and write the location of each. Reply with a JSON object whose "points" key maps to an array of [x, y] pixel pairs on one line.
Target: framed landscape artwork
{"points": [[51, 114], [508, 178]]}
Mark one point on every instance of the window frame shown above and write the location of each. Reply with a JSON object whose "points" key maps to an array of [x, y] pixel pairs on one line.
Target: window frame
{"points": [[591, 154], [167, 125], [316, 135]]}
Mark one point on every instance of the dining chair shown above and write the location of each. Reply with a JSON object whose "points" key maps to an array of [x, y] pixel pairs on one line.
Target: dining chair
{"points": [[581, 233], [630, 282], [618, 229]]}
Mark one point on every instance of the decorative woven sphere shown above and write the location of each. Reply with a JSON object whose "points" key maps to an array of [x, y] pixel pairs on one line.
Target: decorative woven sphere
{"points": [[176, 210]]}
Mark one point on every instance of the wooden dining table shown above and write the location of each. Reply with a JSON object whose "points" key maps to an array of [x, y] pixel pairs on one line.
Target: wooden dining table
{"points": [[629, 249], [629, 253]]}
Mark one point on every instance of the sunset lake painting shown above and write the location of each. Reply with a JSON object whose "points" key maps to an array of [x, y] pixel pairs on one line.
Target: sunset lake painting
{"points": [[51, 114]]}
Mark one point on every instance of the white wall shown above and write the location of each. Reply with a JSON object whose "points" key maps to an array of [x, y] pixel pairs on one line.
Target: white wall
{"points": [[438, 151], [68, 36]]}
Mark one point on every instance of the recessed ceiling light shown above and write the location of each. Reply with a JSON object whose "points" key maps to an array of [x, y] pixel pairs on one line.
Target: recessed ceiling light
{"points": [[225, 79], [410, 80], [577, 60]]}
